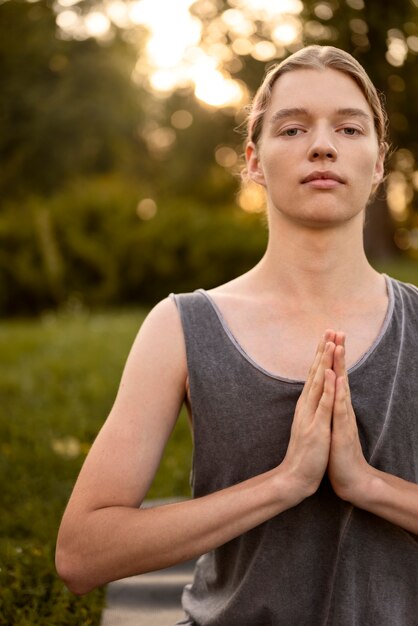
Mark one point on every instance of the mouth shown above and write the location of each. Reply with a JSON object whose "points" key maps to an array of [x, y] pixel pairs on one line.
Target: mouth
{"points": [[323, 179]]}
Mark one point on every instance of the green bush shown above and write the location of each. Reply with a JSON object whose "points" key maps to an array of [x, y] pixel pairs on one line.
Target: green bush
{"points": [[88, 243], [187, 246]]}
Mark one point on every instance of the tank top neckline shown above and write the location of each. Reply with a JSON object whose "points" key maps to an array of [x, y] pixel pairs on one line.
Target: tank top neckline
{"points": [[360, 361]]}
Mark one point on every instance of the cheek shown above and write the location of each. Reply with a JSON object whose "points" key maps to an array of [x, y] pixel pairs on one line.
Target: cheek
{"points": [[277, 166], [364, 164]]}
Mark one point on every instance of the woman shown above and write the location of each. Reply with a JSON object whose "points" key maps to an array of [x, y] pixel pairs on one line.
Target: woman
{"points": [[305, 449]]}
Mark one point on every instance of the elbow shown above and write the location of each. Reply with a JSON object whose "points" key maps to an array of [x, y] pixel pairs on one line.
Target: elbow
{"points": [[71, 570]]}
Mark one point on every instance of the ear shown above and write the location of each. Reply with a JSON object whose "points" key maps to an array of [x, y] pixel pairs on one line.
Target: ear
{"points": [[379, 169], [254, 169]]}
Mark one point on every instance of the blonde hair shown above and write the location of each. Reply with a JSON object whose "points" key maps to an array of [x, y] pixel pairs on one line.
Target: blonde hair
{"points": [[318, 57]]}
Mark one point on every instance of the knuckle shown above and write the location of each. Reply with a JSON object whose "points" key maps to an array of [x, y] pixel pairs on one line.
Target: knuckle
{"points": [[316, 384], [324, 404], [326, 399]]}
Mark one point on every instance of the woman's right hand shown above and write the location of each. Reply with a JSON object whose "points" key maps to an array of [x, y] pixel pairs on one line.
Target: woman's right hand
{"points": [[307, 454]]}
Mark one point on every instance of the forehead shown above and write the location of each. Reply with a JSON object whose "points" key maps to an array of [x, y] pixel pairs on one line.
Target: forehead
{"points": [[320, 91]]}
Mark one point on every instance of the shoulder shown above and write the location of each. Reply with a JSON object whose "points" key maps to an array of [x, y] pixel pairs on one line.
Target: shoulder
{"points": [[406, 291], [160, 341], [406, 304], [192, 308], [163, 312], [163, 319]]}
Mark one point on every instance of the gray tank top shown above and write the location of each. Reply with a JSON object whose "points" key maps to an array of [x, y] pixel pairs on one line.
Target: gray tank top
{"points": [[322, 562]]}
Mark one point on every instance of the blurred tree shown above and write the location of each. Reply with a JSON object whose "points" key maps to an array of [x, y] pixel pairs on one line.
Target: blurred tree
{"points": [[96, 118], [66, 107]]}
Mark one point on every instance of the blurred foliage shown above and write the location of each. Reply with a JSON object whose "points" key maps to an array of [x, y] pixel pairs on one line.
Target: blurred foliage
{"points": [[58, 383], [88, 243], [66, 107], [82, 146]]}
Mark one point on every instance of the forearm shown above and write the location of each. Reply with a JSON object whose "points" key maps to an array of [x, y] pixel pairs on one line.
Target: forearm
{"points": [[103, 536], [114, 542], [389, 497]]}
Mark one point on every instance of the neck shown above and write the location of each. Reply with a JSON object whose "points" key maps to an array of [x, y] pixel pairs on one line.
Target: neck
{"points": [[326, 264]]}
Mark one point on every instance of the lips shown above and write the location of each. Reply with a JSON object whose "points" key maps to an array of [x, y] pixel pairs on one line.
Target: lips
{"points": [[323, 175]]}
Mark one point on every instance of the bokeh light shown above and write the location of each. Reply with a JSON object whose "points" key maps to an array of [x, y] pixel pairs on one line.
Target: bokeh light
{"points": [[226, 156], [181, 119], [287, 32], [399, 195], [97, 24], [252, 198], [178, 54], [397, 48], [146, 209]]}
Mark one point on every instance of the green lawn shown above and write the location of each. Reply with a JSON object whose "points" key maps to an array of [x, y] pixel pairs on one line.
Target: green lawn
{"points": [[58, 380]]}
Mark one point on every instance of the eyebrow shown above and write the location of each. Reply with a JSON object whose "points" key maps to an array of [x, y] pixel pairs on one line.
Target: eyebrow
{"points": [[301, 112], [284, 113], [353, 112]]}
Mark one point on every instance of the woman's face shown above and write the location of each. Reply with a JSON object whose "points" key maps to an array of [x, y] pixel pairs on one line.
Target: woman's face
{"points": [[318, 155]]}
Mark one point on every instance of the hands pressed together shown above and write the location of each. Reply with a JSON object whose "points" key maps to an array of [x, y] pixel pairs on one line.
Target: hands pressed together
{"points": [[324, 435]]}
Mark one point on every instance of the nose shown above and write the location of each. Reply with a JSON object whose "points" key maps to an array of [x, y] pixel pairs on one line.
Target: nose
{"points": [[322, 147]]}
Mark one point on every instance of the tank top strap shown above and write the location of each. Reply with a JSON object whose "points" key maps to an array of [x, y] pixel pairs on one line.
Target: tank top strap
{"points": [[207, 343]]}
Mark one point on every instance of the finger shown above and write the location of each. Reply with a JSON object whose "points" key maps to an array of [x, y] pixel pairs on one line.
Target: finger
{"points": [[317, 386], [343, 404], [340, 401], [339, 361], [327, 399], [339, 338], [328, 336], [312, 370], [339, 341], [340, 368]]}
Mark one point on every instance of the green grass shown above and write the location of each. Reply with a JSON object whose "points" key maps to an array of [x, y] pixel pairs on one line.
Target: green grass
{"points": [[58, 380]]}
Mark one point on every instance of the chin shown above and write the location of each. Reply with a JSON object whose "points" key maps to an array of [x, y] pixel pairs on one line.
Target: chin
{"points": [[326, 215]]}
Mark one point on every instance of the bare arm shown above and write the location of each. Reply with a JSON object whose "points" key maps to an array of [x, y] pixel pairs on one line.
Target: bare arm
{"points": [[352, 478], [105, 536]]}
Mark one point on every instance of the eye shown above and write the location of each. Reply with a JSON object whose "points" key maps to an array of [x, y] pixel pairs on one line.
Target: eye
{"points": [[291, 132], [350, 131]]}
